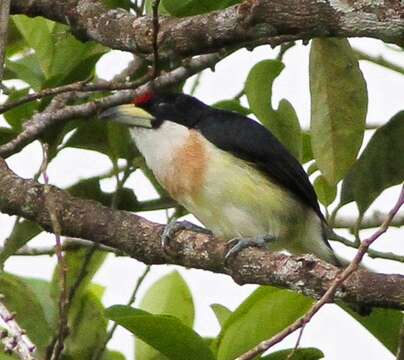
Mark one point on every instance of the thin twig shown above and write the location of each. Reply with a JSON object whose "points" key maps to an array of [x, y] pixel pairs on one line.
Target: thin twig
{"points": [[379, 60], [4, 16], [40, 122], [298, 340], [82, 274], [79, 86], [14, 337], [98, 354], [57, 349], [370, 221], [329, 294], [283, 49], [156, 28], [67, 245], [196, 83], [374, 254]]}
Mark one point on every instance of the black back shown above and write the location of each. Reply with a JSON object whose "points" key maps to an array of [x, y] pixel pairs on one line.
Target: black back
{"points": [[249, 140], [242, 137]]}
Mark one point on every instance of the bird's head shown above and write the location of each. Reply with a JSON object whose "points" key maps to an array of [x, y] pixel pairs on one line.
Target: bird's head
{"points": [[151, 110]]}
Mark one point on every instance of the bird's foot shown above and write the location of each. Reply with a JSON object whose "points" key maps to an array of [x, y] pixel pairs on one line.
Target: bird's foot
{"points": [[173, 226], [238, 244]]}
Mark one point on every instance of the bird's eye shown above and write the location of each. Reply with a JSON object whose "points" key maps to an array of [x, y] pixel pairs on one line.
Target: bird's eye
{"points": [[163, 107]]}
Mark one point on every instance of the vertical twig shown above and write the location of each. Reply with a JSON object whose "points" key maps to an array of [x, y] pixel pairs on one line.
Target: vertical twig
{"points": [[283, 48], [57, 344], [156, 28], [4, 16], [196, 83], [14, 338]]}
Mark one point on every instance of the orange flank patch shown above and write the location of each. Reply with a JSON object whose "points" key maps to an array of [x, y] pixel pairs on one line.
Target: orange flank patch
{"points": [[187, 168]]}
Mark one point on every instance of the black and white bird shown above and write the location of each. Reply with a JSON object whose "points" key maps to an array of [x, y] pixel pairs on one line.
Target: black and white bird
{"points": [[229, 171]]}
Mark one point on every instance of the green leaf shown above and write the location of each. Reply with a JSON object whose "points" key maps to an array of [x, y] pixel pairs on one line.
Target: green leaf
{"points": [[74, 260], [90, 135], [312, 168], [165, 333], [307, 151], [82, 57], [15, 42], [169, 295], [380, 166], [288, 129], [27, 69], [6, 134], [232, 105], [383, 324], [326, 193], [62, 58], [88, 327], [112, 355], [90, 189], [283, 122], [258, 88], [257, 319], [22, 232], [182, 8], [299, 354], [222, 313], [37, 33], [18, 115], [42, 288], [110, 139], [113, 4], [120, 142], [338, 106], [162, 9], [4, 356], [19, 298]]}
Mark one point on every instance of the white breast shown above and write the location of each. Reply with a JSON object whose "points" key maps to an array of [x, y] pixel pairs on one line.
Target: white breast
{"points": [[158, 146]]}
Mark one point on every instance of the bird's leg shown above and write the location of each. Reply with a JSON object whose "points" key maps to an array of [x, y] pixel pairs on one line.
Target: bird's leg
{"points": [[238, 244], [173, 226]]}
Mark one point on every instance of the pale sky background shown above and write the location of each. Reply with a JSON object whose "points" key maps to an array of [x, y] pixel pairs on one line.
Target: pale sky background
{"points": [[331, 330]]}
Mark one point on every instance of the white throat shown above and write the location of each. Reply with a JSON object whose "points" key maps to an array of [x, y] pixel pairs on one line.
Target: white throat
{"points": [[158, 146]]}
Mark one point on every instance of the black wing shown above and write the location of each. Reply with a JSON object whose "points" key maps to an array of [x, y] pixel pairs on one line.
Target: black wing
{"points": [[249, 140]]}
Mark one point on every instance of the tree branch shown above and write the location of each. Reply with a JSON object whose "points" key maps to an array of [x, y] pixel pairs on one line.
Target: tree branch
{"points": [[140, 239], [40, 122], [244, 23]]}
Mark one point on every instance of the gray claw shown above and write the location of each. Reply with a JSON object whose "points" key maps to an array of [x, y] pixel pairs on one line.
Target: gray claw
{"points": [[241, 244], [173, 226]]}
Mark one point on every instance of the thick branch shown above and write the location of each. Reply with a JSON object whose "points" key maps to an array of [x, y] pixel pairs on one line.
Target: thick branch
{"points": [[140, 239], [248, 22]]}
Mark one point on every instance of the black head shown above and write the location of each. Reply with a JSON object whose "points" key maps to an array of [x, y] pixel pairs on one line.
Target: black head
{"points": [[179, 108]]}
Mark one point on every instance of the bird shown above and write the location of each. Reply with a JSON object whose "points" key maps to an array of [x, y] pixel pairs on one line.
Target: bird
{"points": [[229, 171]]}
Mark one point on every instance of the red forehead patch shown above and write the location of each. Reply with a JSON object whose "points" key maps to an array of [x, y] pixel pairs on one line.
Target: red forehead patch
{"points": [[143, 99]]}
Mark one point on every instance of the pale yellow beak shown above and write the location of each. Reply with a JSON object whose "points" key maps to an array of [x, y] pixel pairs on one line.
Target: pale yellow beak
{"points": [[130, 115]]}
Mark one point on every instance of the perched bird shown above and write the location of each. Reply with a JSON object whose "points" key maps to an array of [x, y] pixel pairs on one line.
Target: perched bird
{"points": [[229, 171]]}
